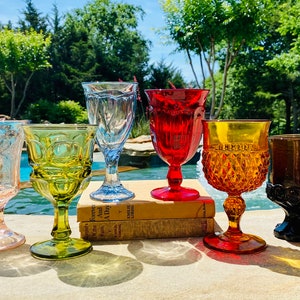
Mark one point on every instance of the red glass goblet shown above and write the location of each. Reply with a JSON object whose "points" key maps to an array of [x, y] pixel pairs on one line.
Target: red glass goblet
{"points": [[176, 130]]}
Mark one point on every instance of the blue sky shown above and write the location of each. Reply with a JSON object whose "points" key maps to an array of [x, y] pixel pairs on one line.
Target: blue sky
{"points": [[153, 19]]}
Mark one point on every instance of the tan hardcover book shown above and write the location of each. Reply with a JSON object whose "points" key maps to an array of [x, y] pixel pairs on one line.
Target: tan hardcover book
{"points": [[143, 206], [145, 229]]}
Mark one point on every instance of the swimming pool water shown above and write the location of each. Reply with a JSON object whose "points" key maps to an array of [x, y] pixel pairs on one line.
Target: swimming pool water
{"points": [[30, 202]]}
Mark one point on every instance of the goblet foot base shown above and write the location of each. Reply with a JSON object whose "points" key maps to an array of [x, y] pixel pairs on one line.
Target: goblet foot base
{"points": [[10, 239], [57, 249], [112, 193], [288, 230], [245, 244], [288, 197], [181, 194]]}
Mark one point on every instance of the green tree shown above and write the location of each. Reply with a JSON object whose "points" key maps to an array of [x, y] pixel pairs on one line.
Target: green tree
{"points": [[263, 80], [40, 111], [65, 111], [216, 31], [21, 55], [164, 76], [287, 63], [48, 82], [101, 42], [33, 19], [69, 111]]}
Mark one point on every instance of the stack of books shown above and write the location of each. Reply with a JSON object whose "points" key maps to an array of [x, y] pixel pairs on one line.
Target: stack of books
{"points": [[144, 217]]}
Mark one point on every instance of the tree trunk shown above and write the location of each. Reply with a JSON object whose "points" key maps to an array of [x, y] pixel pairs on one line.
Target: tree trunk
{"points": [[288, 115], [24, 93], [13, 96], [192, 67]]}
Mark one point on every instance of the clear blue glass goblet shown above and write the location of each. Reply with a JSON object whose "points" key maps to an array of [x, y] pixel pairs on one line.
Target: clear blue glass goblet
{"points": [[111, 106]]}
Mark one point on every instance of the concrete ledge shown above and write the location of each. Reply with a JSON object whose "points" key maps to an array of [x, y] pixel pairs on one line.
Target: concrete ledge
{"points": [[153, 269], [139, 152]]}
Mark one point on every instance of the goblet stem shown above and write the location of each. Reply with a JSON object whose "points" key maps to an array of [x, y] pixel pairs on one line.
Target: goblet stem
{"points": [[174, 191], [174, 177], [234, 207], [62, 245], [233, 240], [61, 228], [8, 238], [111, 173], [2, 224], [112, 189]]}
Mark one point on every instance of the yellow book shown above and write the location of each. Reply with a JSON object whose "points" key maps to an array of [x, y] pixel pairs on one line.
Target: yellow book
{"points": [[145, 229], [143, 206]]}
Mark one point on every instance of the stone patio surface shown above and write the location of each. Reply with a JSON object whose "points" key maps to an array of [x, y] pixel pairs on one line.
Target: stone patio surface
{"points": [[153, 269]]}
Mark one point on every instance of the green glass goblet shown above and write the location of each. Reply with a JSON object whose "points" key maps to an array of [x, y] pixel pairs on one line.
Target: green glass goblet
{"points": [[61, 158]]}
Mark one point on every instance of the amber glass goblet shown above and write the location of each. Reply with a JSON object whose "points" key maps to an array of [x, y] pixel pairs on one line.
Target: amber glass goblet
{"points": [[11, 142], [235, 160], [176, 130], [61, 159]]}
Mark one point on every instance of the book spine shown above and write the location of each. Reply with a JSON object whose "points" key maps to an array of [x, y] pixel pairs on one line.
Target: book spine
{"points": [[130, 210], [145, 229]]}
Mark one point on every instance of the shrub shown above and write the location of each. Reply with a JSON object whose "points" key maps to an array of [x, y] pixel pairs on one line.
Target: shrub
{"points": [[69, 111], [66, 111], [140, 127], [39, 112]]}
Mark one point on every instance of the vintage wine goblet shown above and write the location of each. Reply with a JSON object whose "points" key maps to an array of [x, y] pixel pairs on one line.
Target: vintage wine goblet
{"points": [[61, 158], [111, 106], [283, 187], [235, 160], [176, 130], [11, 142]]}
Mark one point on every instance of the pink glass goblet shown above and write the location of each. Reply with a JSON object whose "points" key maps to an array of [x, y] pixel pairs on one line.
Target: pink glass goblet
{"points": [[176, 130], [11, 142]]}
